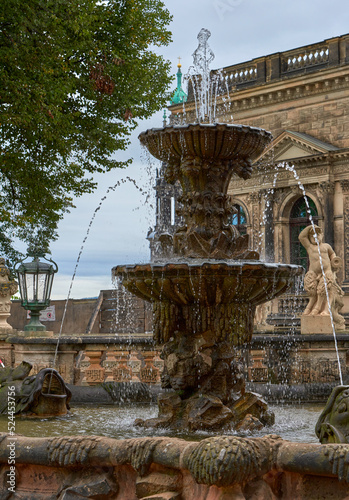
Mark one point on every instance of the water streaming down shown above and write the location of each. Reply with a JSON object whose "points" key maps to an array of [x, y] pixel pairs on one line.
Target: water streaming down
{"points": [[208, 283], [206, 85], [290, 168], [110, 189]]}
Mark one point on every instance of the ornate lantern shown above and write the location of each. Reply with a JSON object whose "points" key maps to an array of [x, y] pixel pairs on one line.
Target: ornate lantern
{"points": [[35, 280]]}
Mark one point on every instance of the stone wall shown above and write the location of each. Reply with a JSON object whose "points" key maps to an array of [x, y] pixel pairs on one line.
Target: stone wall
{"points": [[79, 312], [286, 359], [113, 311], [216, 468], [316, 104]]}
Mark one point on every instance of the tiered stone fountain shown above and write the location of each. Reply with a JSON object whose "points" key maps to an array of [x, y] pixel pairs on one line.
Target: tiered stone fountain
{"points": [[204, 297]]}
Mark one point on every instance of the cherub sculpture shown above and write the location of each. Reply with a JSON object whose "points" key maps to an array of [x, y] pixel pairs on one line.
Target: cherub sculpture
{"points": [[323, 264]]}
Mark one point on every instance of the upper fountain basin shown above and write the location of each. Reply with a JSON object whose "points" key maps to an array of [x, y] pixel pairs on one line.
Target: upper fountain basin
{"points": [[216, 141]]}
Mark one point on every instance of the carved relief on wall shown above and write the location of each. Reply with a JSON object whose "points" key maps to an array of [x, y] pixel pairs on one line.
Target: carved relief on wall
{"points": [[322, 370], [324, 190]]}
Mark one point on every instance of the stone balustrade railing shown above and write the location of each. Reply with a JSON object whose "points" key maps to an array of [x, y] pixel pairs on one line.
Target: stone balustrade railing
{"points": [[116, 365], [241, 74], [306, 59], [292, 303]]}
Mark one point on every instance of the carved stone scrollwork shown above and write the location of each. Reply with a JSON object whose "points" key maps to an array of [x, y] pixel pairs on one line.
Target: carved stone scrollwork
{"points": [[70, 450], [345, 186], [326, 187], [338, 456], [324, 191], [295, 189], [254, 197], [279, 196]]}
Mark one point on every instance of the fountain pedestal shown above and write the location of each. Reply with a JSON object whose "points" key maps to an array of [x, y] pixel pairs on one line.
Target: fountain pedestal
{"points": [[203, 305]]}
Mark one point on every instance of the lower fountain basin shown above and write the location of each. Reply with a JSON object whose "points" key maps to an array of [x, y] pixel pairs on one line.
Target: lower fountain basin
{"points": [[206, 282], [200, 296]]}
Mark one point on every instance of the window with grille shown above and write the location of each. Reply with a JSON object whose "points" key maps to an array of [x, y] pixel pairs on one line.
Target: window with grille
{"points": [[239, 219], [299, 219]]}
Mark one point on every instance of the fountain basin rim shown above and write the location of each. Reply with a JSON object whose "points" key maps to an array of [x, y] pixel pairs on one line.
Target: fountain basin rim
{"points": [[203, 126], [206, 264]]}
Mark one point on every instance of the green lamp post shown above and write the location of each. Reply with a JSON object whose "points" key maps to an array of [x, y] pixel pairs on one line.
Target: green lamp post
{"points": [[35, 280]]}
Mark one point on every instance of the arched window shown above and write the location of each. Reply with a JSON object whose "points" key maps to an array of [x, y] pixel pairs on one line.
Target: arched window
{"points": [[299, 219], [239, 219]]}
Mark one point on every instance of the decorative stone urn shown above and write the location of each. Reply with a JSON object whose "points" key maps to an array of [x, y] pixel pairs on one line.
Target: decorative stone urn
{"points": [[8, 287], [204, 302]]}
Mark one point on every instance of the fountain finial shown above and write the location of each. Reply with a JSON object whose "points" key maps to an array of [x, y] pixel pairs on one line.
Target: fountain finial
{"points": [[199, 76], [203, 55]]}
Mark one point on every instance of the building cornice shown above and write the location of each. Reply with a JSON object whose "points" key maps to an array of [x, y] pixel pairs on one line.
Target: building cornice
{"points": [[333, 166]]}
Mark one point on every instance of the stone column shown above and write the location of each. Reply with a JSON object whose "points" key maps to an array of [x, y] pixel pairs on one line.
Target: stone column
{"points": [[255, 243], [345, 189], [281, 229], [94, 374], [269, 225], [326, 195], [338, 227]]}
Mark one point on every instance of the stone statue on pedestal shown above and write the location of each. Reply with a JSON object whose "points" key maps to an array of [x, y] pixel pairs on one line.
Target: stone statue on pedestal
{"points": [[323, 264], [8, 287]]}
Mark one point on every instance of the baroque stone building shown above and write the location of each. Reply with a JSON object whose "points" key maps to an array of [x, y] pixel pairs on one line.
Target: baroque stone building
{"points": [[302, 97]]}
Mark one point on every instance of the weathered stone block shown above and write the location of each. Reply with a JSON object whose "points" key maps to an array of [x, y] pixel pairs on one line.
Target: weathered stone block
{"points": [[316, 324], [157, 483]]}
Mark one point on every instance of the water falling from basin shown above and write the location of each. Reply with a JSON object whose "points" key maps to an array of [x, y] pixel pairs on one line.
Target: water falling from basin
{"points": [[205, 293]]}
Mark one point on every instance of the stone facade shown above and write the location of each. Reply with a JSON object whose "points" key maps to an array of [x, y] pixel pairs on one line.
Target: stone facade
{"points": [[302, 97]]}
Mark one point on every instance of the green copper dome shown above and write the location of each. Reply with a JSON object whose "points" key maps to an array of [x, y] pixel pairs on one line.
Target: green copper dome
{"points": [[179, 95]]}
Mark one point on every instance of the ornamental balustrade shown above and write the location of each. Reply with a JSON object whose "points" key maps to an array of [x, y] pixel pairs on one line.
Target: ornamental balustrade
{"points": [[314, 57], [292, 304], [305, 57]]}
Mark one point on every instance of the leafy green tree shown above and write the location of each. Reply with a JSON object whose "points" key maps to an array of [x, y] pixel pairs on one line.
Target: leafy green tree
{"points": [[75, 76]]}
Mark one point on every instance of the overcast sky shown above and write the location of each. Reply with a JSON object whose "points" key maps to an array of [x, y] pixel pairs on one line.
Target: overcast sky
{"points": [[240, 30]]}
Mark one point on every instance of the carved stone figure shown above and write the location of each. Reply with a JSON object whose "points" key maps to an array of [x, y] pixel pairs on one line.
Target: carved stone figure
{"points": [[333, 423], [8, 287], [322, 273], [41, 395]]}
